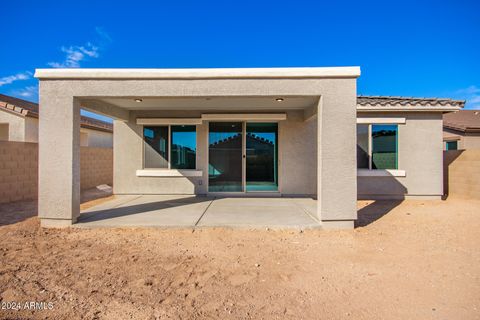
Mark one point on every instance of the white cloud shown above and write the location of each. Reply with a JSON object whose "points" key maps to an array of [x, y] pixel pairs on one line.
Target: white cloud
{"points": [[19, 76], [472, 96], [27, 92], [74, 55], [469, 90]]}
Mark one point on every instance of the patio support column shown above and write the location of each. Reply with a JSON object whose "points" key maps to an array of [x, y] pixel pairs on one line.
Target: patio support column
{"points": [[336, 159], [59, 157]]}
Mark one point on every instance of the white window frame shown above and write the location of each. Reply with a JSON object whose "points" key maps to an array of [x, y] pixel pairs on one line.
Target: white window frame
{"points": [[370, 172]]}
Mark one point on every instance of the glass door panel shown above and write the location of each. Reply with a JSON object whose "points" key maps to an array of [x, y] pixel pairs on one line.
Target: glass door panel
{"points": [[225, 157], [262, 157]]}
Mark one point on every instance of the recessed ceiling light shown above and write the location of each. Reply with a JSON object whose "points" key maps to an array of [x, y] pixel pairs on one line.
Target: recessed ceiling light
{"points": [[138, 100], [279, 99]]}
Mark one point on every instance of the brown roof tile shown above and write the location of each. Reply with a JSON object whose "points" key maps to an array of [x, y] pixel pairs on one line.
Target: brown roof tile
{"points": [[407, 101], [463, 120], [19, 105]]}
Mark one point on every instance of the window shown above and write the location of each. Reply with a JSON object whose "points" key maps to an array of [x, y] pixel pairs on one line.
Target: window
{"points": [[377, 146], [170, 147], [452, 145], [184, 142]]}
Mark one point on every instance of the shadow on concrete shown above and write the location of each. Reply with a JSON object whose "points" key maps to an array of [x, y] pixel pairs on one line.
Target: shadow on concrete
{"points": [[126, 210], [375, 211]]}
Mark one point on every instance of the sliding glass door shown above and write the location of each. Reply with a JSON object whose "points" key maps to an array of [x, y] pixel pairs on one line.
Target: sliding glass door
{"points": [[243, 157], [225, 157], [261, 157]]}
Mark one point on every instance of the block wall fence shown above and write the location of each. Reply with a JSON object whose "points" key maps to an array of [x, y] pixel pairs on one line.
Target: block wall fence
{"points": [[462, 173], [19, 169]]}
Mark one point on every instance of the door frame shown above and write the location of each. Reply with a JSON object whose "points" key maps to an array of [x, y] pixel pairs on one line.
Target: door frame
{"points": [[244, 160]]}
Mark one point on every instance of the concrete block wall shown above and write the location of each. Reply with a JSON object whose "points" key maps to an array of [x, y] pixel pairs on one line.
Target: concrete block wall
{"points": [[96, 167], [19, 169], [462, 173]]}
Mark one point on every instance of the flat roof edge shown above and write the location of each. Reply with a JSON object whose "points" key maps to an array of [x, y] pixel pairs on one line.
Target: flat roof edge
{"points": [[219, 73]]}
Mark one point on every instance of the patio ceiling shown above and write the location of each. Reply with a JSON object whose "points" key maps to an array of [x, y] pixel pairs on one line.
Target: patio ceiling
{"points": [[214, 103]]}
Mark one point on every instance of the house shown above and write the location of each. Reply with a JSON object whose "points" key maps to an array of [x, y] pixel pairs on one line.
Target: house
{"points": [[225, 132], [461, 130], [19, 122]]}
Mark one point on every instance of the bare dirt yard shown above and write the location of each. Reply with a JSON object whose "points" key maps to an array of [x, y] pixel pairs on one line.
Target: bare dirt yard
{"points": [[408, 260]]}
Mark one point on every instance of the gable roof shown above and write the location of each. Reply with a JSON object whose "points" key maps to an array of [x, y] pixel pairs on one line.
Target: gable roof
{"points": [[408, 103], [463, 121], [31, 109]]}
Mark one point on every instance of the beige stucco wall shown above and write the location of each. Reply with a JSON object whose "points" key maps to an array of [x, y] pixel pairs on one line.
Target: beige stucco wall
{"points": [[16, 125], [471, 141], [335, 161], [96, 138], [420, 150], [466, 140], [296, 153], [128, 157], [31, 129]]}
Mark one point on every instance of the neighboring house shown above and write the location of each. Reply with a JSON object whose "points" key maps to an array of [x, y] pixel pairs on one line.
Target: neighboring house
{"points": [[461, 130], [19, 122], [249, 132]]}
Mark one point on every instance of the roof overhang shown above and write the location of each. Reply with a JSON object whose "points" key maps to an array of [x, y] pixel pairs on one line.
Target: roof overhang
{"points": [[463, 129], [213, 73]]}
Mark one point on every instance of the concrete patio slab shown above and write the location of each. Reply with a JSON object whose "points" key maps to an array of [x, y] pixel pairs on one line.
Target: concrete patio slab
{"points": [[275, 213], [191, 212], [146, 211]]}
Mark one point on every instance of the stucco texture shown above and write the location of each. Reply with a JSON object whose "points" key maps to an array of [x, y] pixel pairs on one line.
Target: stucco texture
{"points": [[16, 125], [296, 163], [420, 152], [315, 156], [470, 140]]}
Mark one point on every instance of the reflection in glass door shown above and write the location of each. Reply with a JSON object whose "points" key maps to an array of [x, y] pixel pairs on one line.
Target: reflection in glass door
{"points": [[262, 157], [225, 157]]}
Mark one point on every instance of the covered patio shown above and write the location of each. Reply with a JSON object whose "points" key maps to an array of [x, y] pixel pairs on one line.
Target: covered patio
{"points": [[205, 147], [195, 212]]}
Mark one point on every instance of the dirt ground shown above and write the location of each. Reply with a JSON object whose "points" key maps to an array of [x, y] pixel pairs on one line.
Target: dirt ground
{"points": [[405, 260]]}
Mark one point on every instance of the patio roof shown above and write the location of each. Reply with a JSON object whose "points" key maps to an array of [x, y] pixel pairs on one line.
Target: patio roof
{"points": [[206, 73]]}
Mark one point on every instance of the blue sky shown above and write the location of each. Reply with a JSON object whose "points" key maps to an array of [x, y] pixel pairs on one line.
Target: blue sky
{"points": [[407, 48]]}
